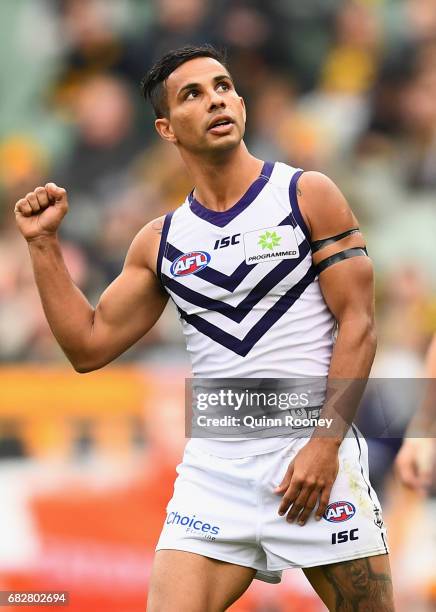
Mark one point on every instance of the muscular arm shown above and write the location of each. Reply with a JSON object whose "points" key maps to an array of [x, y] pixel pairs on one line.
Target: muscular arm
{"points": [[127, 310], [348, 289]]}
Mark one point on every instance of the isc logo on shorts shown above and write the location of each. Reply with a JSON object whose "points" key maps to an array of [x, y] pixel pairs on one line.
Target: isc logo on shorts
{"points": [[339, 511]]}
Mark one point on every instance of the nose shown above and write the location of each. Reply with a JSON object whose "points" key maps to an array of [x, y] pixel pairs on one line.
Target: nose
{"points": [[216, 100]]}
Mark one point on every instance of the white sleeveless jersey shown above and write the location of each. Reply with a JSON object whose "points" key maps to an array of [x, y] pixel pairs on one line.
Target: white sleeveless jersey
{"points": [[245, 286]]}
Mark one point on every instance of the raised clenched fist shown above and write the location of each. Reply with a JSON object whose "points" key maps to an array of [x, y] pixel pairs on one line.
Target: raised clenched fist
{"points": [[41, 211]]}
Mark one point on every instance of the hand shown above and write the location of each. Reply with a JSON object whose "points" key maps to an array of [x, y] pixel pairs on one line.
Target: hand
{"points": [[41, 211], [414, 463], [309, 478]]}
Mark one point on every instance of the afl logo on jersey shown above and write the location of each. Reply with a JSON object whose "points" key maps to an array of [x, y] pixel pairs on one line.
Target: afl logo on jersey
{"points": [[190, 263], [339, 511]]}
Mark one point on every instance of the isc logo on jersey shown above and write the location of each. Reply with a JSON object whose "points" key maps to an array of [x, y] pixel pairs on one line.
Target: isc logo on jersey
{"points": [[190, 263], [339, 511]]}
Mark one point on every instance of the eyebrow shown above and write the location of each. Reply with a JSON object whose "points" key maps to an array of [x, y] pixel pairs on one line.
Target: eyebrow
{"points": [[216, 79]]}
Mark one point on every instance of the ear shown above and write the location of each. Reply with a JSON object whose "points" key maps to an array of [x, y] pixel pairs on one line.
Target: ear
{"points": [[164, 129]]}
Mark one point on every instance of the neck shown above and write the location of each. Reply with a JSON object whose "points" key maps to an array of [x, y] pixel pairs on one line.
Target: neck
{"points": [[222, 181]]}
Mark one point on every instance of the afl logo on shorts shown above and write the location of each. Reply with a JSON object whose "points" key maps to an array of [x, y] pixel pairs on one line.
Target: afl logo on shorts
{"points": [[339, 511], [190, 263]]}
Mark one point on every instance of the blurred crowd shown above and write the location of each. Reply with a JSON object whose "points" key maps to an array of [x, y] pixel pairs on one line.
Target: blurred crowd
{"points": [[344, 87]]}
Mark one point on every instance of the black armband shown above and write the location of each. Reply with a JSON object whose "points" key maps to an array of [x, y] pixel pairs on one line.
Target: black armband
{"points": [[347, 254], [316, 245]]}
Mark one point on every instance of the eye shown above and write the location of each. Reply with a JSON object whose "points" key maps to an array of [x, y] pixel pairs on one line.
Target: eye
{"points": [[192, 93], [224, 86]]}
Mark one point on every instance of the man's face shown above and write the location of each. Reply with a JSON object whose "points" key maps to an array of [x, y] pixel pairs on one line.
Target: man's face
{"points": [[352, 578], [206, 115]]}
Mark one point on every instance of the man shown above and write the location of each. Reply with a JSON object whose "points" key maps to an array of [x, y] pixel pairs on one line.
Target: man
{"points": [[238, 259]]}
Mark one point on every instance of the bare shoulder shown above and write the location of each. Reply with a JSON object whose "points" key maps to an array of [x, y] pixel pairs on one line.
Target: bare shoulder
{"points": [[156, 225], [145, 246], [323, 205]]}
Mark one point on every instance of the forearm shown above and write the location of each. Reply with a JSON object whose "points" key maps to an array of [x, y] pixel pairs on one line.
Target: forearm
{"points": [[68, 312], [352, 358], [354, 350], [423, 422]]}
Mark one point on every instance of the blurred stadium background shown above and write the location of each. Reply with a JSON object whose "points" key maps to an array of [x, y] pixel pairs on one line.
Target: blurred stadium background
{"points": [[87, 462]]}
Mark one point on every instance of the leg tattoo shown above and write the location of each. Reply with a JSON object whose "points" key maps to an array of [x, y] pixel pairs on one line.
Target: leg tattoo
{"points": [[358, 587]]}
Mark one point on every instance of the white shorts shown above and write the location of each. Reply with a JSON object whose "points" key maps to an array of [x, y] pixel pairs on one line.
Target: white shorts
{"points": [[226, 509]]}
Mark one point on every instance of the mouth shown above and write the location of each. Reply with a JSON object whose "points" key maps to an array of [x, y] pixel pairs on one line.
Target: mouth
{"points": [[359, 581], [220, 125]]}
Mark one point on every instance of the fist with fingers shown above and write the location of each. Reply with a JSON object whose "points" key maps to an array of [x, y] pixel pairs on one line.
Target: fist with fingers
{"points": [[41, 211], [308, 481]]}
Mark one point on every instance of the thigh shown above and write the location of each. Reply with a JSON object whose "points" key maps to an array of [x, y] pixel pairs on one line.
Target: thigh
{"points": [[188, 582], [361, 585]]}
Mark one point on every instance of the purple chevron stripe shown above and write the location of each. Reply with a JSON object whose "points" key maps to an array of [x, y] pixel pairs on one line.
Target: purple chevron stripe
{"points": [[294, 204], [239, 312], [217, 278], [162, 245], [244, 346], [221, 219]]}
